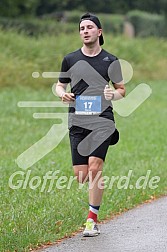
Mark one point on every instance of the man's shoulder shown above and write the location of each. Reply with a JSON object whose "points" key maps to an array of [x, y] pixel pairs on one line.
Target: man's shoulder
{"points": [[109, 56], [73, 54]]}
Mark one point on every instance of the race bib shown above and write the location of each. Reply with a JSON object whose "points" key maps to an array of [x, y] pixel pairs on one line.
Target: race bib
{"points": [[88, 105]]}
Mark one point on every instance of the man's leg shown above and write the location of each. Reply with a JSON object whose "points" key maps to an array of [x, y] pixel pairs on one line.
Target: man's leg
{"points": [[95, 167], [81, 172], [95, 188]]}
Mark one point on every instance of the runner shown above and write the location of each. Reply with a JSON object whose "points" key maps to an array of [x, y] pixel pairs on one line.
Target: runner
{"points": [[91, 124]]}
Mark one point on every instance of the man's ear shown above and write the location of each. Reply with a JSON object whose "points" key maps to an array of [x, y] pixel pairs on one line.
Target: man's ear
{"points": [[100, 32]]}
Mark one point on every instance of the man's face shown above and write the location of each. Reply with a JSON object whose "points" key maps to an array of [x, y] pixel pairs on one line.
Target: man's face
{"points": [[89, 32]]}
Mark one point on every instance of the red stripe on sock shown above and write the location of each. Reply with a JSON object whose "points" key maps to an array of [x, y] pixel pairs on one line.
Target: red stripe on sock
{"points": [[92, 216]]}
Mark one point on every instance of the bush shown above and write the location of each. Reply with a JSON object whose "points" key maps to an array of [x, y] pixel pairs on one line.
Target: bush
{"points": [[110, 22], [146, 24], [36, 27], [73, 16], [68, 23]]}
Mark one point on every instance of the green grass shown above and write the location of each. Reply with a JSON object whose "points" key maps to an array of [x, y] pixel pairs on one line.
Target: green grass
{"points": [[21, 55], [29, 217]]}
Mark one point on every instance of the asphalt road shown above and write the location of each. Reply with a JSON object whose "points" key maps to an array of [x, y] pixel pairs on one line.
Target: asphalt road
{"points": [[142, 229]]}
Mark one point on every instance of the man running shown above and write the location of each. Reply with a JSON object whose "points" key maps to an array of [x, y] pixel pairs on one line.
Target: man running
{"points": [[89, 70]]}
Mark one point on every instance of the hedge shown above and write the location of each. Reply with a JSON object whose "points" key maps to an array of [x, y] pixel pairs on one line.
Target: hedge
{"points": [[146, 24], [36, 27]]}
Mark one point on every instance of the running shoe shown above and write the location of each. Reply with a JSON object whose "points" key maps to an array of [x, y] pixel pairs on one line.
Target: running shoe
{"points": [[91, 228]]}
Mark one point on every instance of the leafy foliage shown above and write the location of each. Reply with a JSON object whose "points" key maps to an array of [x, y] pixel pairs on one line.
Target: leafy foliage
{"points": [[147, 24], [13, 8]]}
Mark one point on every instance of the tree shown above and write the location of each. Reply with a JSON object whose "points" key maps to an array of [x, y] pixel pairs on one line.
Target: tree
{"points": [[13, 8]]}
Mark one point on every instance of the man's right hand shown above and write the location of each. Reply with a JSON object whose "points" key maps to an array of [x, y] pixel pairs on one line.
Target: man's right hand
{"points": [[68, 97]]}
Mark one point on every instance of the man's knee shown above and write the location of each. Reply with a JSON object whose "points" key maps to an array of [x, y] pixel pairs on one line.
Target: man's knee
{"points": [[94, 173], [82, 176], [95, 168]]}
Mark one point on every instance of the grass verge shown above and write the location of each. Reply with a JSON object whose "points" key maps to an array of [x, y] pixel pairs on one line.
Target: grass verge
{"points": [[31, 217]]}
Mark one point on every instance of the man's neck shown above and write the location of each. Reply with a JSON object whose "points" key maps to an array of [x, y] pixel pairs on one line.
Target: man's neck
{"points": [[91, 51]]}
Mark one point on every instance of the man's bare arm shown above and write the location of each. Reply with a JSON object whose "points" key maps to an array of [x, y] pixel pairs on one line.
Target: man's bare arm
{"points": [[61, 92]]}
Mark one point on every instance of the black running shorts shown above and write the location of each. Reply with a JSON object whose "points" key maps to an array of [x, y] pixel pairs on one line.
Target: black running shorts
{"points": [[77, 134]]}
